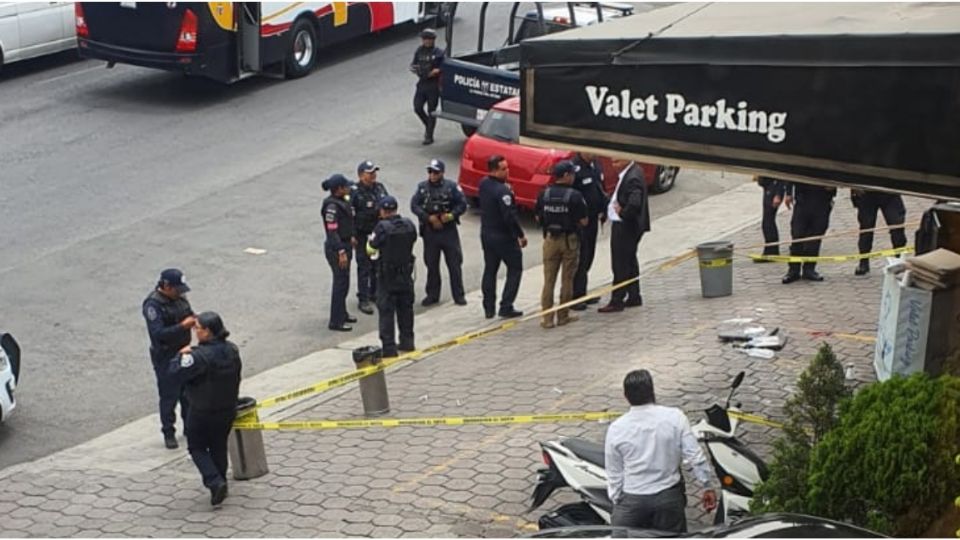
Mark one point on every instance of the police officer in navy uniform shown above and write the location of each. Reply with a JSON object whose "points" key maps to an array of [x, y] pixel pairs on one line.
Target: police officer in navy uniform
{"points": [[868, 203], [426, 66], [773, 191], [211, 375], [439, 203], [169, 320], [589, 182], [391, 242], [811, 207], [501, 237], [365, 198], [338, 224], [562, 212]]}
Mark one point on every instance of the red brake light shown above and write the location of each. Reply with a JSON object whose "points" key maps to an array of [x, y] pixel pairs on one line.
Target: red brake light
{"points": [[546, 459], [81, 21], [187, 39]]}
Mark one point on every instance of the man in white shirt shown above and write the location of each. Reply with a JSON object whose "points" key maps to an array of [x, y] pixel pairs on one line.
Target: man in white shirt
{"points": [[644, 448]]}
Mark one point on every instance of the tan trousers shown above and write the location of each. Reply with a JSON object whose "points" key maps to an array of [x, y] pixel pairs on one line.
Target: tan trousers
{"points": [[560, 253]]}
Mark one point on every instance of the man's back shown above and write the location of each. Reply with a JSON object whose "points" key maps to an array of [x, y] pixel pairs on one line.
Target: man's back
{"points": [[648, 440]]}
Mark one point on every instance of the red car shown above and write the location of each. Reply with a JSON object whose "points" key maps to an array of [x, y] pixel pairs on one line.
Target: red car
{"points": [[530, 166]]}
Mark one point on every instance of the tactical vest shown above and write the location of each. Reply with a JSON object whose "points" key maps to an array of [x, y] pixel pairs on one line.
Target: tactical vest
{"points": [[396, 255], [438, 199], [365, 201], [557, 218], [171, 312], [345, 225], [425, 59], [217, 389]]}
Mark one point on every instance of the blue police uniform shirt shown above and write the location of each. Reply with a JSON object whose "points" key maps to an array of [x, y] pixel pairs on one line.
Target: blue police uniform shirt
{"points": [[498, 208]]}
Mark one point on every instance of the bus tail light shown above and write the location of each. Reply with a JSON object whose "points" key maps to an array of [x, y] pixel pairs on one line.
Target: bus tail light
{"points": [[187, 38], [82, 30]]}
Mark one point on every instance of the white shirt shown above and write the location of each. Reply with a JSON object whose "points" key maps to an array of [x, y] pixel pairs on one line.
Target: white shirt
{"points": [[612, 214], [644, 448]]}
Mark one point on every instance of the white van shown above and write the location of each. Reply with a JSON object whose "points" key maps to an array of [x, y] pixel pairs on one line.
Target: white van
{"points": [[31, 29]]}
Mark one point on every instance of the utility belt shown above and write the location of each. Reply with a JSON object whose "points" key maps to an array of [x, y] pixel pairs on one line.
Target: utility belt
{"points": [[397, 277]]}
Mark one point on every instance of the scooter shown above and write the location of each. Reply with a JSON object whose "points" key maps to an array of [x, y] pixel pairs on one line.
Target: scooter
{"points": [[579, 464]]}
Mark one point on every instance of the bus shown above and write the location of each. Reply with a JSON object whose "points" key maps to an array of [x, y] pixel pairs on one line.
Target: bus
{"points": [[229, 41]]}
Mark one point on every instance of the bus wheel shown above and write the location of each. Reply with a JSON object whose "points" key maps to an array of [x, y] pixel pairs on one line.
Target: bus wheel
{"points": [[303, 49]]}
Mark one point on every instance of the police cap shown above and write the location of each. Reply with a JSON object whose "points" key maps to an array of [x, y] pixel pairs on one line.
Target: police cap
{"points": [[428, 33], [335, 181], [564, 167], [436, 165], [367, 166], [388, 203], [174, 278]]}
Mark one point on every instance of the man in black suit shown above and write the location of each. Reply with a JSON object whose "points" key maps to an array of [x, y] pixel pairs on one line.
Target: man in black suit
{"points": [[629, 215]]}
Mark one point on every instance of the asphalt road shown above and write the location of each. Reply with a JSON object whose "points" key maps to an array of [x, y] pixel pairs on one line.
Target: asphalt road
{"points": [[108, 176]]}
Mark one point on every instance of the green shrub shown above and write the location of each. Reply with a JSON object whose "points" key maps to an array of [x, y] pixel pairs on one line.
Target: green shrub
{"points": [[888, 465]]}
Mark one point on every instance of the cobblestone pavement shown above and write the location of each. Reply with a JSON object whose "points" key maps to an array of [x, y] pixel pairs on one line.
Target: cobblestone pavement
{"points": [[477, 480]]}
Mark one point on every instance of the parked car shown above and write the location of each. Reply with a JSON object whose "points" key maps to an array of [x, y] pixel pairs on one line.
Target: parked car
{"points": [[765, 526], [530, 167], [9, 374], [31, 29]]}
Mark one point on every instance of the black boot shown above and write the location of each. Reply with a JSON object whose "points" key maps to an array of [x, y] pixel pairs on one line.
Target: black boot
{"points": [[863, 268]]}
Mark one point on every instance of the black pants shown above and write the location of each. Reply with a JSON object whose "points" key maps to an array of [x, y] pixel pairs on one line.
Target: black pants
{"points": [[664, 511], [624, 240], [810, 218], [588, 248], [395, 311], [447, 242], [341, 286], [498, 250], [894, 213], [171, 391], [771, 234], [207, 433], [428, 95], [366, 272]]}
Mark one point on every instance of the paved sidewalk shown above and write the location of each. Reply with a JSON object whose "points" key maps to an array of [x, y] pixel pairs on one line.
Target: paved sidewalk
{"points": [[472, 480]]}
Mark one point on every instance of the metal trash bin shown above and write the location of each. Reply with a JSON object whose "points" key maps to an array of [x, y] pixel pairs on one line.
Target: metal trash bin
{"points": [[373, 388], [716, 268], [245, 446]]}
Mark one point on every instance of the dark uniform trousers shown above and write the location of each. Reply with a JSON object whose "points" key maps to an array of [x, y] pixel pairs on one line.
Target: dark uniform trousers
{"points": [[496, 250], [366, 271], [625, 237], [207, 433], [664, 511], [341, 286], [171, 391], [771, 235], [894, 213], [429, 95], [447, 242], [561, 254], [811, 217], [395, 306], [588, 249]]}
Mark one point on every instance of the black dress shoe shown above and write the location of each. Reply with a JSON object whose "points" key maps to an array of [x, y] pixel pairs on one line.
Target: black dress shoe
{"points": [[427, 141], [611, 308], [365, 307], [406, 347], [218, 493], [489, 314], [511, 314], [341, 328], [634, 302], [460, 301], [579, 307], [592, 301], [170, 441], [351, 319], [862, 269], [429, 302], [812, 276], [790, 278]]}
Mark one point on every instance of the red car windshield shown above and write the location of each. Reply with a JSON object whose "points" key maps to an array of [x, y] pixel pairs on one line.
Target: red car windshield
{"points": [[501, 125]]}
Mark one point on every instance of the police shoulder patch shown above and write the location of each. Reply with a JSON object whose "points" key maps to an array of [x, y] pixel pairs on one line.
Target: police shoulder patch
{"points": [[508, 200], [186, 360], [151, 313]]}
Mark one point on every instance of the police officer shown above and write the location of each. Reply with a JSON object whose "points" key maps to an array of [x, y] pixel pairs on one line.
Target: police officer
{"points": [[561, 211], [772, 198], [338, 223], [391, 242], [501, 238], [365, 198], [439, 203], [211, 375], [426, 66], [589, 182], [169, 320], [894, 213], [811, 207]]}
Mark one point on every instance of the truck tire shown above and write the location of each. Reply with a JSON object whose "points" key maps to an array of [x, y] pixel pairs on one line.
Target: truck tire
{"points": [[302, 51], [665, 179], [468, 130]]}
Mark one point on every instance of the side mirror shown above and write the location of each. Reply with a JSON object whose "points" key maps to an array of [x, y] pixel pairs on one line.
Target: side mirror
{"points": [[737, 381]]}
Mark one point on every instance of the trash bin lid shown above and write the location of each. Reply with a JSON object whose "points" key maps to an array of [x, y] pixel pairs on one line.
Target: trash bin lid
{"points": [[715, 247], [246, 402], [366, 352]]}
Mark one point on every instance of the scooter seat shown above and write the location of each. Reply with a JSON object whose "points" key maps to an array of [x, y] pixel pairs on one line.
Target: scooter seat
{"points": [[586, 450]]}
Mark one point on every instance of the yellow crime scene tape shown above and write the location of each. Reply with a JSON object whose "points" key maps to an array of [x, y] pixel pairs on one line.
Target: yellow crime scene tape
{"points": [[754, 419], [716, 263], [831, 258]]}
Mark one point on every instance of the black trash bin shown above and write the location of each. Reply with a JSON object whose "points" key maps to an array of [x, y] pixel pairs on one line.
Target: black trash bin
{"points": [[245, 446], [373, 388]]}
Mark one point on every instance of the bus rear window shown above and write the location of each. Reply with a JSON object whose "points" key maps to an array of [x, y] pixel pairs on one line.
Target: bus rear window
{"points": [[501, 125]]}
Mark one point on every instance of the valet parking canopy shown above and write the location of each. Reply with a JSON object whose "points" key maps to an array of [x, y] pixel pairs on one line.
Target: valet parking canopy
{"points": [[863, 94]]}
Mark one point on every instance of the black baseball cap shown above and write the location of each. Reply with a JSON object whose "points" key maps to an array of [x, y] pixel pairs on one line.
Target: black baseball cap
{"points": [[335, 181], [436, 165], [428, 33], [367, 166], [388, 203], [174, 278], [564, 167]]}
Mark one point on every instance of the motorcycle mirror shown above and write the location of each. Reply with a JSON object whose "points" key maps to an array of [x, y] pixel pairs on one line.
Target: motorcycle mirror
{"points": [[737, 380]]}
